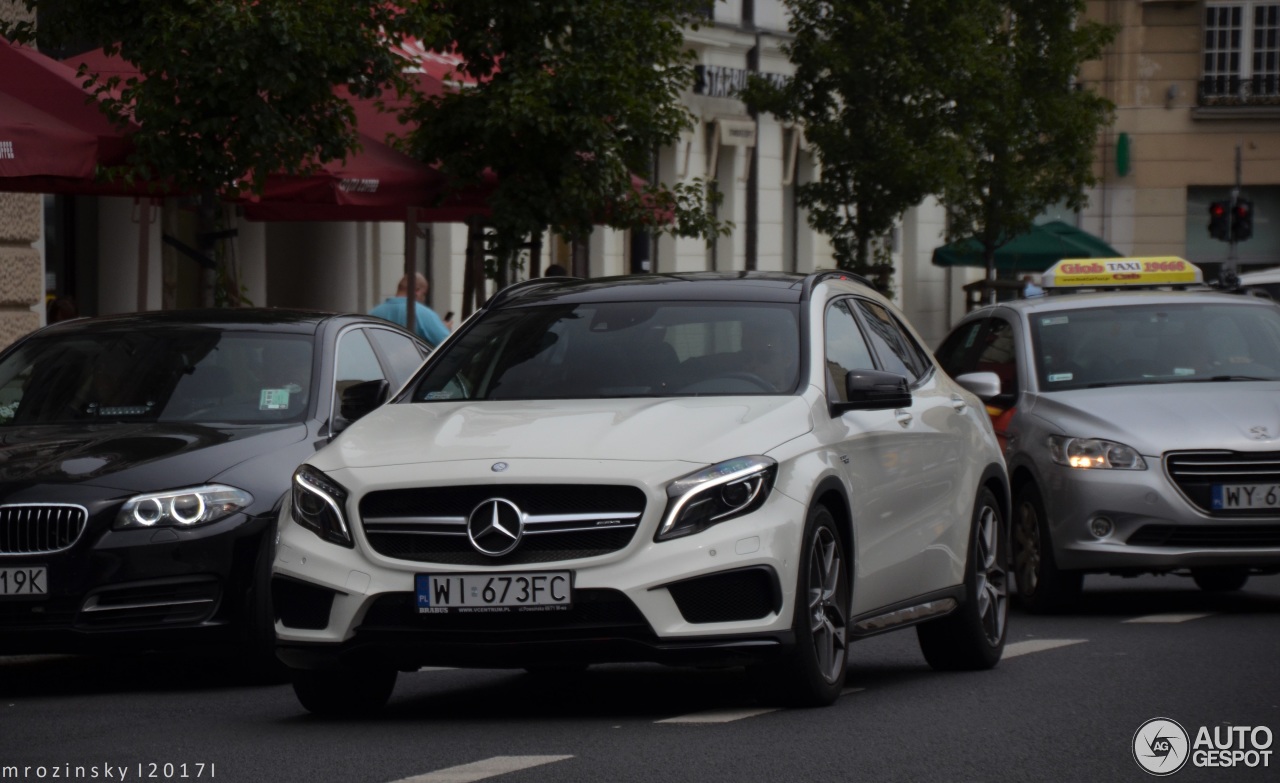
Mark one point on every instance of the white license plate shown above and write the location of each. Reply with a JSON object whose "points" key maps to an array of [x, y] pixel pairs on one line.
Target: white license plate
{"points": [[540, 591], [1228, 496], [24, 580]]}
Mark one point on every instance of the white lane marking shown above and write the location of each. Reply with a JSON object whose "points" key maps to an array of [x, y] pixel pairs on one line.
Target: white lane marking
{"points": [[728, 716], [719, 716], [1168, 618], [479, 770], [1037, 645]]}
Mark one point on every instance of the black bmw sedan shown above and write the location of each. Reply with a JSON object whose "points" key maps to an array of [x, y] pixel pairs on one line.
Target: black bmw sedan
{"points": [[143, 459]]}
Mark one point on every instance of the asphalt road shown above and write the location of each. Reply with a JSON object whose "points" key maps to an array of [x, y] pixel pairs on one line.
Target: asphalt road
{"points": [[1065, 704]]}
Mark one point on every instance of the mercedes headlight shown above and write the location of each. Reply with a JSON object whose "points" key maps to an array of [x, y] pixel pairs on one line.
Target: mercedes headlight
{"points": [[1094, 453], [182, 507], [712, 495], [319, 505]]}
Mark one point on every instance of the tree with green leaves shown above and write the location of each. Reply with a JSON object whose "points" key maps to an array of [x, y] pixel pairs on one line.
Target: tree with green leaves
{"points": [[872, 92], [572, 98], [1027, 129]]}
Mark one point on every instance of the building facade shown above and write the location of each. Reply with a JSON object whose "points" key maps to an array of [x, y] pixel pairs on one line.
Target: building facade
{"points": [[1196, 85], [21, 256]]}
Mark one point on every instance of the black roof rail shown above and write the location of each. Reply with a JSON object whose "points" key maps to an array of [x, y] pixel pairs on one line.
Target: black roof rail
{"points": [[813, 279], [523, 287]]}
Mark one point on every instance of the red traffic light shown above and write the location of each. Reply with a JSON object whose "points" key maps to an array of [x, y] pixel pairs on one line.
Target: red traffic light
{"points": [[1217, 209]]}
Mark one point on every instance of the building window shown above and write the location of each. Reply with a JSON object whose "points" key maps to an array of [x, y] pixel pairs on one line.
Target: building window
{"points": [[1241, 54]]}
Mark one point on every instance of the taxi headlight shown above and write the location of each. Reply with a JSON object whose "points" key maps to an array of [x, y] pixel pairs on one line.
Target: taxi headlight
{"points": [[182, 507], [318, 503], [713, 495], [1094, 453]]}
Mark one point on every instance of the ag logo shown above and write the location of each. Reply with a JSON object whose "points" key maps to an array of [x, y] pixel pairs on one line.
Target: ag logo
{"points": [[1160, 746]]}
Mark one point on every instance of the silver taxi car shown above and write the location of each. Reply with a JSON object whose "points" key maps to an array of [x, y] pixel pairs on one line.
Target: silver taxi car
{"points": [[1140, 422]]}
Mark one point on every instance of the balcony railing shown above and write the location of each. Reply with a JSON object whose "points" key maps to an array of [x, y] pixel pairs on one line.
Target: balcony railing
{"points": [[1237, 91]]}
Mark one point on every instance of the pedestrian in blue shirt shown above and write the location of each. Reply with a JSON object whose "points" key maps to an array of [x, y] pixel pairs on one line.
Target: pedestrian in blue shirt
{"points": [[426, 323]]}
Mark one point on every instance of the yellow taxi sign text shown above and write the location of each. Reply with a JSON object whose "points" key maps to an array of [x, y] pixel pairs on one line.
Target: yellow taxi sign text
{"points": [[1111, 272]]}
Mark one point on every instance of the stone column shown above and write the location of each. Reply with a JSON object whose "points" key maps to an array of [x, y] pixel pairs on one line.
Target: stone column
{"points": [[21, 267]]}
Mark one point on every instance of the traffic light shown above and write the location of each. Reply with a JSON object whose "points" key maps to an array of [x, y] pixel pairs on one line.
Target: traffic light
{"points": [[1219, 221], [1242, 220]]}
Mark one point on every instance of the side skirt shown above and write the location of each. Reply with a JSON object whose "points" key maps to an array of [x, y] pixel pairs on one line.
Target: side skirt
{"points": [[910, 612]]}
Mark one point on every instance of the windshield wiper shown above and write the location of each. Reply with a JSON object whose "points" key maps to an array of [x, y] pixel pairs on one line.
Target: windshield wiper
{"points": [[1233, 378]]}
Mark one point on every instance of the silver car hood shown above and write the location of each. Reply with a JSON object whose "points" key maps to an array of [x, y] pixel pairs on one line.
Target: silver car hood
{"points": [[1155, 418]]}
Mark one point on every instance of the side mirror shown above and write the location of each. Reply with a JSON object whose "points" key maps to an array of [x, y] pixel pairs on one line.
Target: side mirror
{"points": [[985, 385], [358, 400], [873, 390]]}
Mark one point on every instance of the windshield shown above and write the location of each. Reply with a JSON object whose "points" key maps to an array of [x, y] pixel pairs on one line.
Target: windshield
{"points": [[1166, 343], [180, 373], [620, 349]]}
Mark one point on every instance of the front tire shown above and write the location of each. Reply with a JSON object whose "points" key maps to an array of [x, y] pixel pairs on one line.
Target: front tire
{"points": [[1220, 580], [344, 693], [973, 636], [812, 675], [1042, 587]]}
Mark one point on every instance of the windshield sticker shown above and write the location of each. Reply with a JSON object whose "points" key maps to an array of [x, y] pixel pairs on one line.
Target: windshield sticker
{"points": [[1060, 376], [1054, 320], [1184, 371], [439, 395], [274, 400]]}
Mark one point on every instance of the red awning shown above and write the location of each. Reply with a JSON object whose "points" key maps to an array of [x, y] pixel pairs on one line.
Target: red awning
{"points": [[36, 144]]}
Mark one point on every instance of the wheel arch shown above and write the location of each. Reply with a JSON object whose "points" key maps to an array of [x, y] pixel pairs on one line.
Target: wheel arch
{"points": [[831, 493]]}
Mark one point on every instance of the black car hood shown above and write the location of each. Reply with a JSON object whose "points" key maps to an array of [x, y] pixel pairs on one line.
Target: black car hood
{"points": [[134, 457]]}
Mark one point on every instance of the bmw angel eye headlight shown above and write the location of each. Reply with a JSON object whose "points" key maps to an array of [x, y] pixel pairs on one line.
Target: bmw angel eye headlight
{"points": [[712, 495], [182, 507], [319, 505], [1094, 453]]}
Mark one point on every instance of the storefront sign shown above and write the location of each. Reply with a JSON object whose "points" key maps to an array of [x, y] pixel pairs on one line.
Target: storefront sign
{"points": [[720, 81]]}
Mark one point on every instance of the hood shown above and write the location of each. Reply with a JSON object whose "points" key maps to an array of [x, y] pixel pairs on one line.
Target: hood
{"points": [[701, 430], [133, 457], [1155, 418]]}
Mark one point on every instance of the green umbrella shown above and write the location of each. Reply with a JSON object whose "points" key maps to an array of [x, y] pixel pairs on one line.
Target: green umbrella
{"points": [[1035, 251]]}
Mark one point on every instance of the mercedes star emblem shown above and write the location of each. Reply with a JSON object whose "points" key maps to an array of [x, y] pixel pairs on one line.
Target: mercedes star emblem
{"points": [[495, 527]]}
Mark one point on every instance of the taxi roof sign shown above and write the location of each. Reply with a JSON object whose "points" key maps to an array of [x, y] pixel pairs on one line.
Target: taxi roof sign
{"points": [[1122, 272]]}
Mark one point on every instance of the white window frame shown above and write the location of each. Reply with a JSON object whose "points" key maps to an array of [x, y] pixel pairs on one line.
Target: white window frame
{"points": [[1238, 63]]}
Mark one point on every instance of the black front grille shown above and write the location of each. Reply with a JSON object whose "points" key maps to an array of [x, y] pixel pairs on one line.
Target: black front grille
{"points": [[1197, 472], [40, 529], [1207, 536], [729, 596], [163, 602], [301, 605], [563, 522], [594, 613]]}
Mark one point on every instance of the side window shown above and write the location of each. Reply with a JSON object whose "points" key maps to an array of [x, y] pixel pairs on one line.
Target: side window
{"points": [[956, 354], [997, 354], [356, 362], [845, 349], [400, 352], [898, 353]]}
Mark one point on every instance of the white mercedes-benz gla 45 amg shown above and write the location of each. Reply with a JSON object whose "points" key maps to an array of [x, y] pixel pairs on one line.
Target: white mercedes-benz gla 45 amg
{"points": [[737, 469]]}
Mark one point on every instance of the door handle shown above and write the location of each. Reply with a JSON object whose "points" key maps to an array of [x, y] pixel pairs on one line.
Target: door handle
{"points": [[903, 417], [958, 402]]}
